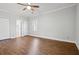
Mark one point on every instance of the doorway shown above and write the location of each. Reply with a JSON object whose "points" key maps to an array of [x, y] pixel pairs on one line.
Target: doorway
{"points": [[21, 28]]}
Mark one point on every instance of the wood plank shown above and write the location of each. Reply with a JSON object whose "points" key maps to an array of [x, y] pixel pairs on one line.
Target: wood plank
{"points": [[29, 45]]}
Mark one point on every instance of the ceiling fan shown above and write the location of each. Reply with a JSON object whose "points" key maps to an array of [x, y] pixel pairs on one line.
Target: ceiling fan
{"points": [[29, 6]]}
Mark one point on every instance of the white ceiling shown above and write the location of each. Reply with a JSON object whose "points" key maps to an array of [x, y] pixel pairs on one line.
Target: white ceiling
{"points": [[14, 8]]}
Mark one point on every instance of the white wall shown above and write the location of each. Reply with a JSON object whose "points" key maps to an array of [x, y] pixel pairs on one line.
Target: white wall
{"points": [[59, 24], [12, 22], [77, 26], [4, 28]]}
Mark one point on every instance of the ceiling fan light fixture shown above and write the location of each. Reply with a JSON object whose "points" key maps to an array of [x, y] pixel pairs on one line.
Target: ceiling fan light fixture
{"points": [[29, 7]]}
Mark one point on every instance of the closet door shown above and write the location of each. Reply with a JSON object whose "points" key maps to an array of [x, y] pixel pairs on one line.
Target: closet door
{"points": [[4, 28], [18, 28], [24, 28], [21, 28]]}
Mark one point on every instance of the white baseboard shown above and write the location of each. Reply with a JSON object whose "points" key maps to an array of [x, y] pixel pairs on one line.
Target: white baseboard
{"points": [[77, 45], [53, 38], [18, 36]]}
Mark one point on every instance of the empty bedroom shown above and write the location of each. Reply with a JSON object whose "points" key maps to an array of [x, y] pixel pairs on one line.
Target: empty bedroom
{"points": [[39, 29]]}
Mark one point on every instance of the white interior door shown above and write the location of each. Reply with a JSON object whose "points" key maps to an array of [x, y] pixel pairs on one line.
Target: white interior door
{"points": [[21, 28], [18, 28], [24, 27], [4, 28]]}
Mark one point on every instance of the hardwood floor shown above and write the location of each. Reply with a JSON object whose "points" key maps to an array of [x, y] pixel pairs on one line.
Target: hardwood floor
{"points": [[30, 45]]}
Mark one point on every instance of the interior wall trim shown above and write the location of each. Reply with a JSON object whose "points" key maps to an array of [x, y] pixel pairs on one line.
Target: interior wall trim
{"points": [[58, 9], [52, 38]]}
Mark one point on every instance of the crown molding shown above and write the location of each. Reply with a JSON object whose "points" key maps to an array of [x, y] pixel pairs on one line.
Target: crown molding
{"points": [[52, 11], [59, 9], [46, 12]]}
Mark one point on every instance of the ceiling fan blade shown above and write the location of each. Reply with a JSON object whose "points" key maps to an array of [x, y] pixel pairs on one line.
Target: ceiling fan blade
{"points": [[24, 9], [22, 4], [35, 6], [32, 9]]}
